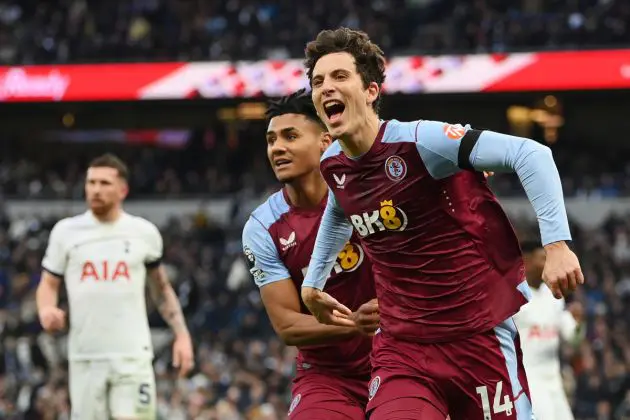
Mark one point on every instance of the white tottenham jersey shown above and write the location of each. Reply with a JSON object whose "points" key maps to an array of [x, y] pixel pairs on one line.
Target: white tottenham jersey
{"points": [[541, 323], [104, 270]]}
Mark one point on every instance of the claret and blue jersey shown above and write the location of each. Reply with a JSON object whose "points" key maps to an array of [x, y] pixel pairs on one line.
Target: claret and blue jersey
{"points": [[446, 260], [278, 242]]}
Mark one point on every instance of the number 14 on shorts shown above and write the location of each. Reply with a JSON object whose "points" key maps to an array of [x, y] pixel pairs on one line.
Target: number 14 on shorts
{"points": [[500, 404]]}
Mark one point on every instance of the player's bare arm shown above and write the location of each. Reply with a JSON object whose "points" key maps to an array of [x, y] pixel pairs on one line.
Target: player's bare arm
{"points": [[458, 147], [168, 305], [282, 303], [51, 317]]}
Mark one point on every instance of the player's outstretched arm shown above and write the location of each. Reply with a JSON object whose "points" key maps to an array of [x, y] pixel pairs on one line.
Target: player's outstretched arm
{"points": [[446, 149], [168, 305], [334, 232]]}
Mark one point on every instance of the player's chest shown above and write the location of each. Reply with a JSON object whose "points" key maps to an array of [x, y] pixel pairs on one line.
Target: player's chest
{"points": [[106, 258], [294, 238], [381, 194], [295, 241]]}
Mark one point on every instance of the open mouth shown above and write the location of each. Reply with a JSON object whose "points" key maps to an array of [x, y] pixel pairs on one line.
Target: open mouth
{"points": [[334, 109], [280, 163]]}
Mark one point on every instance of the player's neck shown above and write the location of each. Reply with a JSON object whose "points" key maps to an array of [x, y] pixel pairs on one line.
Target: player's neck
{"points": [[360, 142], [307, 191], [109, 217]]}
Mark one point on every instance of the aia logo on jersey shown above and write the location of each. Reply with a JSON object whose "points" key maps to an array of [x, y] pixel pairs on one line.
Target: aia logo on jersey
{"points": [[395, 168], [538, 332], [454, 131], [387, 218], [105, 271], [348, 260]]}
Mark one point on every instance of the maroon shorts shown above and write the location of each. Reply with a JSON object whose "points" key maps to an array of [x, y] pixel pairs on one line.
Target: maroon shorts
{"points": [[324, 396], [477, 378]]}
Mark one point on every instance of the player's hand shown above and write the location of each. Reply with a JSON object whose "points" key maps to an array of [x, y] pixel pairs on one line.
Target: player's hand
{"points": [[183, 358], [52, 318], [488, 174], [326, 309], [562, 272], [367, 318], [577, 310]]}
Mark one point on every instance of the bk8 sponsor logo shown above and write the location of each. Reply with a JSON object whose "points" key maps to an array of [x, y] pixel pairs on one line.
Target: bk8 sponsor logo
{"points": [[387, 218], [348, 260]]}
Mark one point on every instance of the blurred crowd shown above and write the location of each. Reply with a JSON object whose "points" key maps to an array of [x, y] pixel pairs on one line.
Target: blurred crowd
{"points": [[211, 163], [62, 31], [243, 372], [238, 165]]}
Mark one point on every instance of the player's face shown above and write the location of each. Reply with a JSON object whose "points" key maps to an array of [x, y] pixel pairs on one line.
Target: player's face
{"points": [[341, 99], [294, 146], [104, 189]]}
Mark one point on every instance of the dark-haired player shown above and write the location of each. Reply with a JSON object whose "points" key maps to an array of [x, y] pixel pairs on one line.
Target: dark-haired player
{"points": [[333, 367], [541, 323], [447, 264]]}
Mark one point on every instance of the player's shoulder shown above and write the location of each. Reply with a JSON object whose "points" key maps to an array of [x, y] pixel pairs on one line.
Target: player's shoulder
{"points": [[140, 224], [268, 213], [395, 131], [71, 223], [419, 130], [391, 131], [333, 150]]}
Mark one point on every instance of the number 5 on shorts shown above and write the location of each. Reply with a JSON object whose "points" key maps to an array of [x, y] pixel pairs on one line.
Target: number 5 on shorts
{"points": [[497, 407], [144, 392]]}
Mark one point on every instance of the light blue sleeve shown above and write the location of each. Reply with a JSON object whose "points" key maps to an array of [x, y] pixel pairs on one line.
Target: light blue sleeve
{"points": [[261, 254], [438, 144], [333, 234]]}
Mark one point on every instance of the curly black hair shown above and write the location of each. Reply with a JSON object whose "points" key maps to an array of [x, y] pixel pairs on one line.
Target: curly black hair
{"points": [[368, 57], [299, 102]]}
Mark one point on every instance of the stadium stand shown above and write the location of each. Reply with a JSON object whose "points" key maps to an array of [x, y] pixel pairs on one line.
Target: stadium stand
{"points": [[69, 31], [26, 172]]}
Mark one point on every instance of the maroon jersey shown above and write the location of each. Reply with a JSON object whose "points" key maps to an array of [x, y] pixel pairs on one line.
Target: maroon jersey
{"points": [[446, 260], [278, 241]]}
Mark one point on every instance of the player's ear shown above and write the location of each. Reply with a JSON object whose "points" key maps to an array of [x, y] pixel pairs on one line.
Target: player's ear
{"points": [[373, 91], [125, 189], [326, 140]]}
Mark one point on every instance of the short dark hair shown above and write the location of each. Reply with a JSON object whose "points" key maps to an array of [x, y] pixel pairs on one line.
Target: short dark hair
{"points": [[530, 245], [110, 160], [299, 102], [368, 57]]}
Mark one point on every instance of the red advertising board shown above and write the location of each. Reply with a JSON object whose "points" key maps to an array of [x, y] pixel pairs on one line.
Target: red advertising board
{"points": [[577, 70]]}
